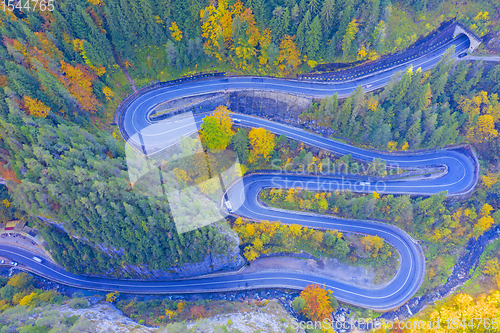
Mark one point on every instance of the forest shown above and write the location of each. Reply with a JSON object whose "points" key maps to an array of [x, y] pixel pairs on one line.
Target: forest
{"points": [[80, 181], [63, 73], [453, 103]]}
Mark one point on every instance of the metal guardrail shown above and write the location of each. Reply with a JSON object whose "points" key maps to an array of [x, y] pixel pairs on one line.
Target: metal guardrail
{"points": [[124, 105], [430, 43]]}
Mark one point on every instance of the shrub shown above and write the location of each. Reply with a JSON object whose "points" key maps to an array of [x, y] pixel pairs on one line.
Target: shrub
{"points": [[70, 321], [78, 303]]}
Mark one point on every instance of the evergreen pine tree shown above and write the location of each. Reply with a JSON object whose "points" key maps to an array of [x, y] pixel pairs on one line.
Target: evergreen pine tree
{"points": [[302, 32], [327, 15], [313, 39]]}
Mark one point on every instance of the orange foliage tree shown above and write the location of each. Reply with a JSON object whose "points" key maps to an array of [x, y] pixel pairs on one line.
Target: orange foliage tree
{"points": [[8, 174], [197, 312], [79, 81], [35, 107], [3, 81], [318, 306]]}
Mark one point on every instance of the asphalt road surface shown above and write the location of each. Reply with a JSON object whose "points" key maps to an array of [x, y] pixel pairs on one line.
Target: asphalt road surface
{"points": [[151, 137], [484, 58]]}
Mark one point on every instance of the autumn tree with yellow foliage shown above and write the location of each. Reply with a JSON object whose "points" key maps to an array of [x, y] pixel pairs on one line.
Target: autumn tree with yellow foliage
{"points": [[108, 93], [491, 267], [484, 222], [35, 107], [20, 281], [231, 34], [270, 237], [216, 132], [372, 244], [461, 313], [289, 56], [257, 235], [483, 114], [111, 297], [392, 145], [361, 53], [371, 104], [176, 32], [489, 180], [217, 26], [262, 142]]}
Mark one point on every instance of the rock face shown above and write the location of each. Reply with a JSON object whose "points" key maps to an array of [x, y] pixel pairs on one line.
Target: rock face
{"points": [[78, 315], [212, 263], [100, 317], [286, 107], [269, 318], [103, 317], [492, 42]]}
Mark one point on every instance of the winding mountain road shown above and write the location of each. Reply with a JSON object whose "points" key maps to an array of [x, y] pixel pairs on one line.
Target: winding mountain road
{"points": [[150, 137]]}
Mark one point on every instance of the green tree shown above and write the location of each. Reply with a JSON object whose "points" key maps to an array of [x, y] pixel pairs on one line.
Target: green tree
{"points": [[494, 79], [333, 301], [401, 89], [329, 239], [313, 38], [280, 22], [352, 29], [7, 292], [302, 32], [313, 6], [413, 136], [440, 74], [240, 144], [341, 249], [298, 304], [345, 115], [327, 15]]}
